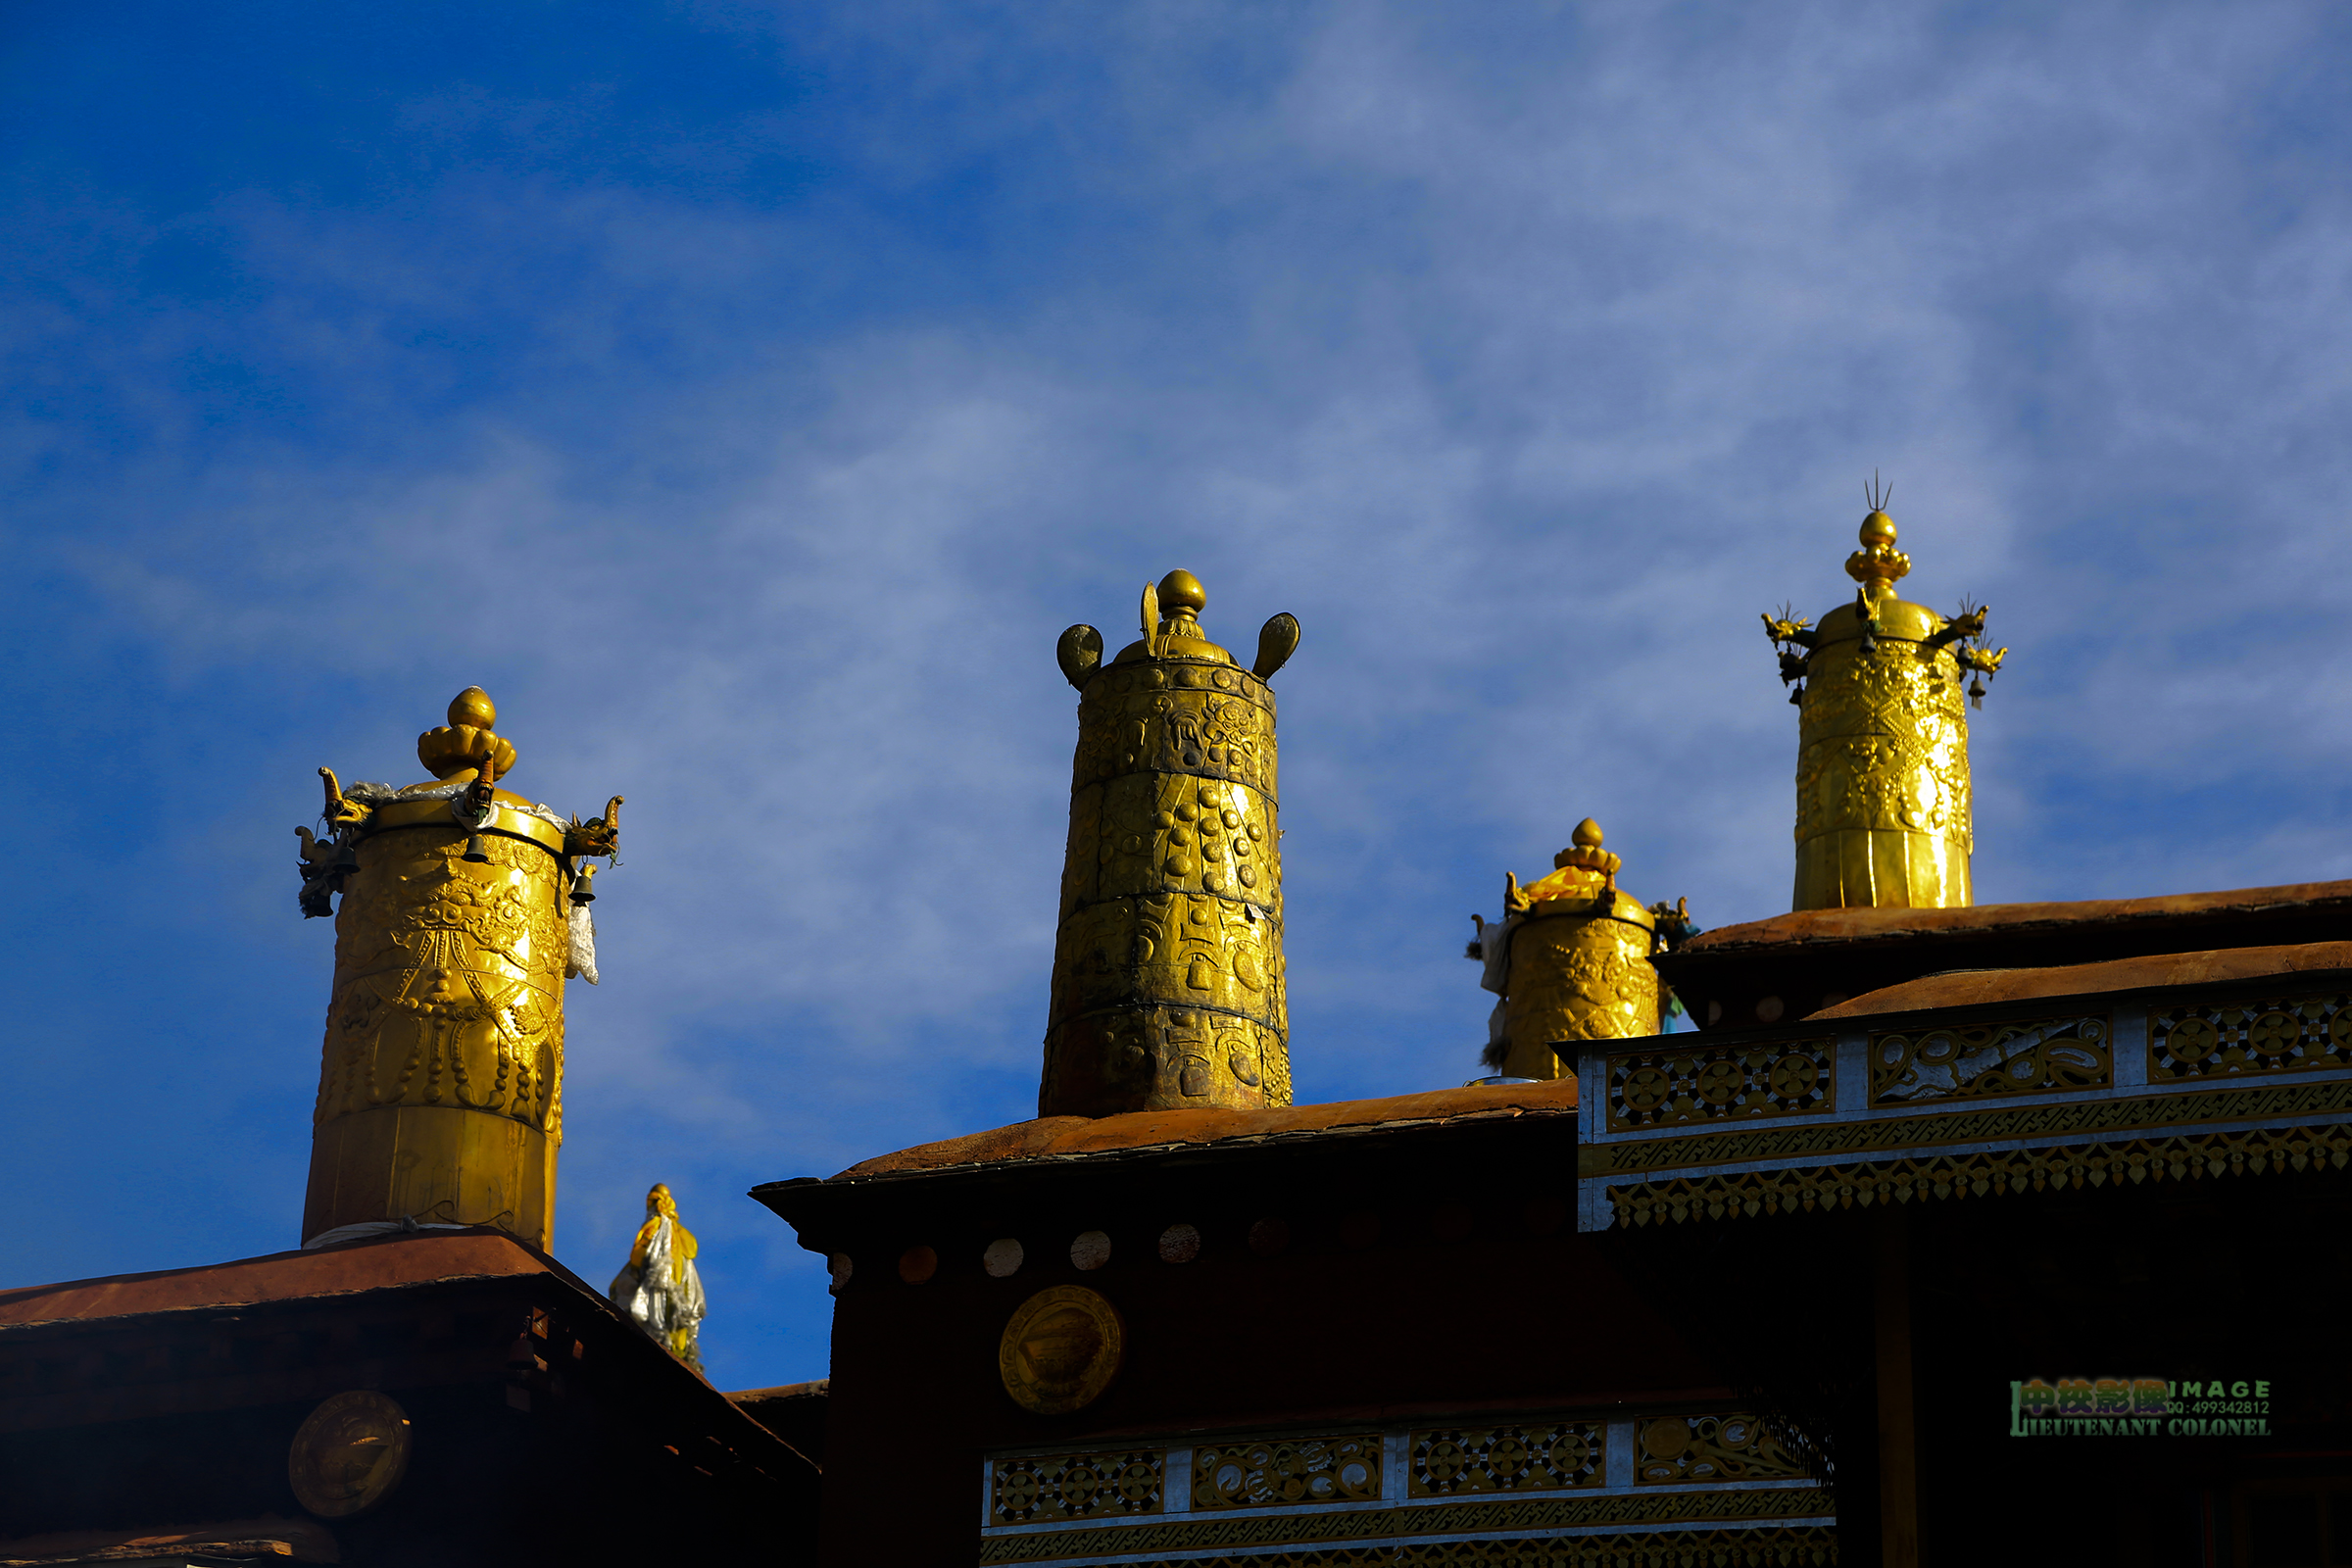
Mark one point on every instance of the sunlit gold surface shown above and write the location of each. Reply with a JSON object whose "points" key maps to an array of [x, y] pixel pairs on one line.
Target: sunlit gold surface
{"points": [[440, 1097], [1579, 965], [348, 1454], [1060, 1349], [1882, 791], [1167, 968]]}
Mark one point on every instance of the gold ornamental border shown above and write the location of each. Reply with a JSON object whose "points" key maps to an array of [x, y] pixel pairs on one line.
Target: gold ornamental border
{"points": [[2192, 1156], [1798, 1547], [1363, 1525], [1991, 1124]]}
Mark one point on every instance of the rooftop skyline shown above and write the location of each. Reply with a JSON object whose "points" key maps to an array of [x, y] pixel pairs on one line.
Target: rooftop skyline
{"points": [[748, 397]]}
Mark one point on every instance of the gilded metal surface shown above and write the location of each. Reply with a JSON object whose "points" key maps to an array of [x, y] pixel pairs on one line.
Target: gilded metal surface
{"points": [[1060, 1349], [2283, 1035], [440, 1096], [1076, 1486], [1883, 789], [1579, 962], [1675, 1450], [1989, 1173], [348, 1454], [1717, 1082], [1167, 986], [1995, 1058], [1541, 1457], [1287, 1470]]}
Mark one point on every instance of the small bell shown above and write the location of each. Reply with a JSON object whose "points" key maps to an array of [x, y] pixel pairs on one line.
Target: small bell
{"points": [[581, 892], [1796, 697], [476, 852], [1976, 692]]}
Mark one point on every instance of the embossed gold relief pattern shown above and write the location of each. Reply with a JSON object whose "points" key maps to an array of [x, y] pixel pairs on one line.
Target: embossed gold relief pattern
{"points": [[1674, 1450], [1288, 1470], [2249, 1037], [1576, 979], [450, 980], [1734, 1195], [1059, 1349], [1668, 1088], [1168, 985], [440, 1090], [2002, 1059], [1075, 1485], [1515, 1458], [1882, 791]]}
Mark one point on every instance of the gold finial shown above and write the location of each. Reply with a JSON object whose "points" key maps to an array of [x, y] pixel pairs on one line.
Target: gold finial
{"points": [[1181, 592], [466, 743], [1584, 854], [1878, 566], [473, 706]]}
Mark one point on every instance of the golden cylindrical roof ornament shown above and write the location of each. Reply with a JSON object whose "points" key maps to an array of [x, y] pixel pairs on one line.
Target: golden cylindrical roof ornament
{"points": [[1571, 961], [463, 910], [1167, 962], [1883, 792]]}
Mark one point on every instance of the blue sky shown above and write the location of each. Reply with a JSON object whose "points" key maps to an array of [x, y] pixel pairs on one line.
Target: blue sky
{"points": [[747, 397]]}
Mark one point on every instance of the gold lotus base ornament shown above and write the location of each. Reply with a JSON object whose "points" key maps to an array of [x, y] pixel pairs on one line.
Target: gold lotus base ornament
{"points": [[1060, 1350], [348, 1454]]}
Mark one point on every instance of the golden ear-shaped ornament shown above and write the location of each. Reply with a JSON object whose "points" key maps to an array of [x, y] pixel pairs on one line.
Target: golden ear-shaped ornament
{"points": [[1079, 653], [1277, 641]]}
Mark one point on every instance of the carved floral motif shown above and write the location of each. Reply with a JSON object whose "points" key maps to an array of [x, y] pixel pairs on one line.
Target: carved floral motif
{"points": [[2001, 1058], [450, 981]]}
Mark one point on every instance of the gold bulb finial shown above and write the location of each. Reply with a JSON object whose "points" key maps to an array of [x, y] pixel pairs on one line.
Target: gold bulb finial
{"points": [[1180, 591], [1587, 835], [473, 706], [1878, 529], [466, 743]]}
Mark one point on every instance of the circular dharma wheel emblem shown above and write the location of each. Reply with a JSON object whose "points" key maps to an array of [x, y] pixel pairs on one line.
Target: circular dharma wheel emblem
{"points": [[1060, 1349], [349, 1455]]}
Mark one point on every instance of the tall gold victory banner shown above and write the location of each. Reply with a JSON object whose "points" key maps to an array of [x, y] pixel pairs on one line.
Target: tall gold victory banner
{"points": [[463, 910], [1883, 790], [1167, 963]]}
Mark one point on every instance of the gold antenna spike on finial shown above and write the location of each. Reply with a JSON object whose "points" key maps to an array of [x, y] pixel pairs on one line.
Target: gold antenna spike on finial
{"points": [[1878, 566]]}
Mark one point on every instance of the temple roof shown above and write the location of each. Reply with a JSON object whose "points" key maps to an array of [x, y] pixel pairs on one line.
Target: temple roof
{"points": [[1067, 1138], [282, 1277], [1966, 988], [1856, 926]]}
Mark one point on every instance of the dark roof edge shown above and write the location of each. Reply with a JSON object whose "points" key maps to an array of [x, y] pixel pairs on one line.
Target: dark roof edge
{"points": [[776, 1194]]}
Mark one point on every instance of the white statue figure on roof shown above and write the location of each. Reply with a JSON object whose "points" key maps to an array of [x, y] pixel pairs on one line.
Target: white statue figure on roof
{"points": [[659, 1288]]}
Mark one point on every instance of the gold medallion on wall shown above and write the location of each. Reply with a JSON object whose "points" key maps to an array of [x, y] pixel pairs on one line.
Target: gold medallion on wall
{"points": [[348, 1454], [1060, 1349]]}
